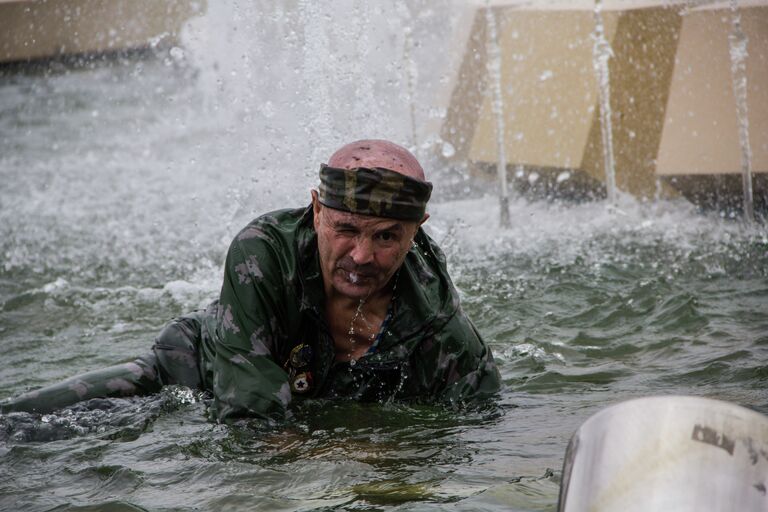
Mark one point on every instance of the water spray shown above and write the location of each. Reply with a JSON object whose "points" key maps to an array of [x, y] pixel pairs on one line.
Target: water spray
{"points": [[409, 66], [316, 54], [738, 51], [602, 52], [494, 72]]}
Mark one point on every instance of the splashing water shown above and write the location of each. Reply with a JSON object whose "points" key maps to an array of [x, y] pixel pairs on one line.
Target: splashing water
{"points": [[494, 71], [738, 52], [601, 54], [111, 224]]}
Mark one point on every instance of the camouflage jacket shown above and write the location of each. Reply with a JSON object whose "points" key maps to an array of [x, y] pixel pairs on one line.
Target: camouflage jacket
{"points": [[272, 301]]}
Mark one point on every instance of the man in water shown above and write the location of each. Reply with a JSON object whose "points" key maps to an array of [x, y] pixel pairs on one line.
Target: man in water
{"points": [[346, 298]]}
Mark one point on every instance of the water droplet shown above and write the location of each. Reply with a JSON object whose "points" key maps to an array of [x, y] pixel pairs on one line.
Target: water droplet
{"points": [[448, 150], [176, 53]]}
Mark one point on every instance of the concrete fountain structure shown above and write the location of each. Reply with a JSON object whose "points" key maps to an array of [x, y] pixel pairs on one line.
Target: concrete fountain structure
{"points": [[36, 29], [679, 107], [580, 98]]}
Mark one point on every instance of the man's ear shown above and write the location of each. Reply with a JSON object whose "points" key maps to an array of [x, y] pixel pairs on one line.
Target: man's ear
{"points": [[316, 206], [426, 216]]}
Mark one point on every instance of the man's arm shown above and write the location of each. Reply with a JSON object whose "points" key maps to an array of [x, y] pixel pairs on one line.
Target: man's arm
{"points": [[458, 363], [246, 379]]}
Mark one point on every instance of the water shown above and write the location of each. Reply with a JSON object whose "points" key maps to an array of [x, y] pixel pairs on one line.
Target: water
{"points": [[601, 54], [494, 74], [122, 185], [738, 52]]}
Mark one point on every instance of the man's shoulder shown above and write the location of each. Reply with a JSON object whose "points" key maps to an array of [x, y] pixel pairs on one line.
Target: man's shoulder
{"points": [[275, 228], [268, 248]]}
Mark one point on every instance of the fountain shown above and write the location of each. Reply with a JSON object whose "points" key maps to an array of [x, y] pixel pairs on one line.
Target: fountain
{"points": [[125, 180], [652, 110], [33, 29], [602, 53], [494, 70], [738, 53]]}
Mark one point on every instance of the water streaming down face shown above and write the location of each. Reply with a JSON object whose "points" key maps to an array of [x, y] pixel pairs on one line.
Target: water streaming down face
{"points": [[123, 184]]}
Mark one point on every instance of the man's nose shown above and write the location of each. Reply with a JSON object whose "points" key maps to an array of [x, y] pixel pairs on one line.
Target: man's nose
{"points": [[362, 252]]}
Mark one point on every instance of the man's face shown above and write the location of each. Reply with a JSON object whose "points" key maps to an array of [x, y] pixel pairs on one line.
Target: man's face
{"points": [[359, 254]]}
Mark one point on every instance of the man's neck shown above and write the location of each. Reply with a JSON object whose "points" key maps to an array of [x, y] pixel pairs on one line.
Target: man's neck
{"points": [[344, 302], [355, 322]]}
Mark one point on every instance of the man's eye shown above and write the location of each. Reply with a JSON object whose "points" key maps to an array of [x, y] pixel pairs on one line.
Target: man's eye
{"points": [[386, 236]]}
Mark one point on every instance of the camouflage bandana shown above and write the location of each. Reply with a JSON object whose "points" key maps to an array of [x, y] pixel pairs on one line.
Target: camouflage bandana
{"points": [[378, 192]]}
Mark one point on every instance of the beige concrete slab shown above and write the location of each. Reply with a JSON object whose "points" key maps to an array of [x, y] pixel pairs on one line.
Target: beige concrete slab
{"points": [[584, 5], [550, 92], [469, 91], [612, 5], [700, 133], [640, 76], [672, 102], [31, 29], [548, 86]]}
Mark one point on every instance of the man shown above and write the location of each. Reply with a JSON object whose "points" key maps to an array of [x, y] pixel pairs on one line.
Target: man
{"points": [[347, 298]]}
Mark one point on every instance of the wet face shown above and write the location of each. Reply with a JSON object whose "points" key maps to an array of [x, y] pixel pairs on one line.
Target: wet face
{"points": [[359, 254]]}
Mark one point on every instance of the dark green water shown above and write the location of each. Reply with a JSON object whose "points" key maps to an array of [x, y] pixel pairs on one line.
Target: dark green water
{"points": [[119, 193]]}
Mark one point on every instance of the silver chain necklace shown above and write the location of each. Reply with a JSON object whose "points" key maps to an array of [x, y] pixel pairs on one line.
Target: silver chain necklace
{"points": [[359, 314]]}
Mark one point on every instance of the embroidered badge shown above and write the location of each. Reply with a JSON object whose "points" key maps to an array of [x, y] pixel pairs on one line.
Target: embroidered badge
{"points": [[301, 355], [299, 377], [302, 382]]}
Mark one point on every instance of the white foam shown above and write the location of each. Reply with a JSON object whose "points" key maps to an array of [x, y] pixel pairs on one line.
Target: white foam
{"points": [[57, 285], [470, 227], [192, 295]]}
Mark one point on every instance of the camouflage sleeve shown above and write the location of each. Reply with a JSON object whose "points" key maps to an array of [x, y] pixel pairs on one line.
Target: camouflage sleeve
{"points": [[461, 364], [246, 379]]}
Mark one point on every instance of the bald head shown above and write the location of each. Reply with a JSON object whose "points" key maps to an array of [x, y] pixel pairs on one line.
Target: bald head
{"points": [[377, 153]]}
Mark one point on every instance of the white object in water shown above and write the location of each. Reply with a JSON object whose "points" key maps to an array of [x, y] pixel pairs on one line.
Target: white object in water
{"points": [[668, 454]]}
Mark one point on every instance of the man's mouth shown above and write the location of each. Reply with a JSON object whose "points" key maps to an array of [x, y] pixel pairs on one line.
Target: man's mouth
{"points": [[356, 277]]}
